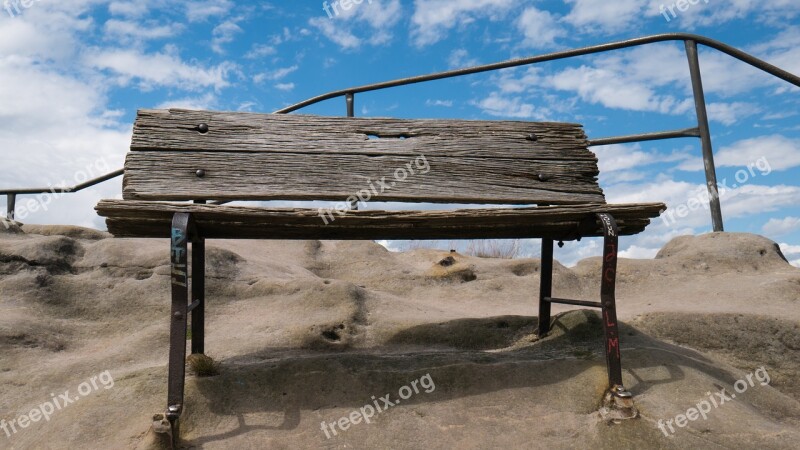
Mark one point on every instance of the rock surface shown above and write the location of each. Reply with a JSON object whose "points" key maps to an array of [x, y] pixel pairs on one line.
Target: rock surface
{"points": [[310, 331]]}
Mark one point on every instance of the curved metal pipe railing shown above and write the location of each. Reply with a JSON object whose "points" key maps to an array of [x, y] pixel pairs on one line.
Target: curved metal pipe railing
{"points": [[724, 48], [691, 41]]}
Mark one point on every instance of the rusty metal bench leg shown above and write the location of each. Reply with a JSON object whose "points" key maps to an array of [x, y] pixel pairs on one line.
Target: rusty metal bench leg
{"points": [[545, 286], [181, 229], [616, 395], [198, 294]]}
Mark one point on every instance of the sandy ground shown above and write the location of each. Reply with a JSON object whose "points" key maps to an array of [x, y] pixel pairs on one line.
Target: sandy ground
{"points": [[310, 331]]}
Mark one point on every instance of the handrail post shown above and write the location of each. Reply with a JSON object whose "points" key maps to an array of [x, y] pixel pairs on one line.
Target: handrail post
{"points": [[350, 99], [351, 104], [705, 135], [12, 206]]}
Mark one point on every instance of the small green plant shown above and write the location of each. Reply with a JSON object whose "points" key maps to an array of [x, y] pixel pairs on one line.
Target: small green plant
{"points": [[203, 365]]}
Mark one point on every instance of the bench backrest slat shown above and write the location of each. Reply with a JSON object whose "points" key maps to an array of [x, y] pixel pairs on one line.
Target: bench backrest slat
{"points": [[246, 156]]}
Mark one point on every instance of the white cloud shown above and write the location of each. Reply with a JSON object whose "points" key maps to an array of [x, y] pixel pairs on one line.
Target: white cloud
{"points": [[375, 20], [274, 75], [636, 252], [687, 203], [125, 31], [783, 51], [134, 9], [792, 253], [444, 103], [687, 208], [530, 79], [204, 102], [606, 87], [540, 28], [201, 10], [158, 69], [224, 33], [780, 227], [341, 36], [47, 36], [432, 19], [284, 86], [762, 153], [619, 157], [653, 79], [497, 105], [750, 199], [573, 251], [459, 58], [54, 98], [37, 106], [774, 12], [730, 113], [609, 16], [260, 50], [727, 76], [629, 80]]}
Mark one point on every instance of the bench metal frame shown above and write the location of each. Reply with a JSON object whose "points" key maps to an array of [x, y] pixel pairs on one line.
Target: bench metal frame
{"points": [[607, 303], [184, 231], [186, 301]]}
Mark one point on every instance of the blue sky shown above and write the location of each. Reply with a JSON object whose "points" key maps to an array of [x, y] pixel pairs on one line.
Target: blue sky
{"points": [[74, 72]]}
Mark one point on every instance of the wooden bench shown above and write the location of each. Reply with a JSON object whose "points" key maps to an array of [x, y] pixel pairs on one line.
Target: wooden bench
{"points": [[200, 156]]}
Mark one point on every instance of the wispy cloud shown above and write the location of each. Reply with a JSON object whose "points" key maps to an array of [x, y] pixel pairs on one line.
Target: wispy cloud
{"points": [[781, 227], [274, 75], [433, 19], [369, 22], [781, 152], [158, 69], [540, 28], [223, 34]]}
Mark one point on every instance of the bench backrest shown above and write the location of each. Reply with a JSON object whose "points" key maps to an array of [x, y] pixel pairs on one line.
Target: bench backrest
{"points": [[203, 155]]}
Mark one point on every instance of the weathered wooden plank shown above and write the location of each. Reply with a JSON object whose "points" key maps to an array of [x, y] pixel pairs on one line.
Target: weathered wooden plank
{"points": [[172, 175], [248, 132], [150, 219]]}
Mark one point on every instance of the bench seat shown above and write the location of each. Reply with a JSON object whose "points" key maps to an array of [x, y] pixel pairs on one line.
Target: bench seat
{"points": [[132, 218]]}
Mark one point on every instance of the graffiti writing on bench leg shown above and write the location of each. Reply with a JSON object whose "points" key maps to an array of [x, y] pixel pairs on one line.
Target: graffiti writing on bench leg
{"points": [[613, 339], [178, 257], [607, 222]]}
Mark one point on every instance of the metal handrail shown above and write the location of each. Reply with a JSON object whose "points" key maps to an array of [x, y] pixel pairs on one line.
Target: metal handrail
{"points": [[732, 51], [11, 194], [702, 130]]}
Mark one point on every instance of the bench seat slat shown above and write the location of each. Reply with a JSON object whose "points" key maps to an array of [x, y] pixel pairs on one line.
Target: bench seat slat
{"points": [[175, 129], [171, 175], [127, 218]]}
